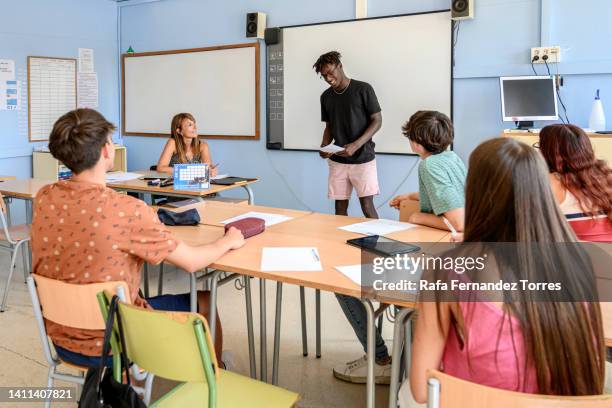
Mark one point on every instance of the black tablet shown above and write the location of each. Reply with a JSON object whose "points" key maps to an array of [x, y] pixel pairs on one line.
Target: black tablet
{"points": [[383, 245], [228, 181]]}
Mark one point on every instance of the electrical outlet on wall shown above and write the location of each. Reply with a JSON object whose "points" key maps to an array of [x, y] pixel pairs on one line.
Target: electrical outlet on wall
{"points": [[553, 55]]}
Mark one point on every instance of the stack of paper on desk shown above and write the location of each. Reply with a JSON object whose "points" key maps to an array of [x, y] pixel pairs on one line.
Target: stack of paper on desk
{"points": [[377, 227], [290, 259], [116, 176]]}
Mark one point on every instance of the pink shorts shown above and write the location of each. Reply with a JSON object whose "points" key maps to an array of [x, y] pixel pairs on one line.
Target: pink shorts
{"points": [[343, 177]]}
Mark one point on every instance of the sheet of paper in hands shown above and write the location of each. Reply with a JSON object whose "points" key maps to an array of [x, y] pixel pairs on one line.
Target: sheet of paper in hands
{"points": [[331, 148]]}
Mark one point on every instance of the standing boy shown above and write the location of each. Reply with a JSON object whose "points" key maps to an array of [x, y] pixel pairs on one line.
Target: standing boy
{"points": [[352, 116]]}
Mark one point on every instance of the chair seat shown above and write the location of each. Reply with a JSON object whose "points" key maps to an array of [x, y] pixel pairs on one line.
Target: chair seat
{"points": [[233, 390], [17, 232]]}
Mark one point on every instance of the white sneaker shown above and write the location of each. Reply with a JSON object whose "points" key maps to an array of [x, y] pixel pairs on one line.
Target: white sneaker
{"points": [[357, 372]]}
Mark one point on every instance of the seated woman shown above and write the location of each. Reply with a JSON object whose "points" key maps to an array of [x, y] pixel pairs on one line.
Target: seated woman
{"points": [[184, 146], [582, 184], [517, 341]]}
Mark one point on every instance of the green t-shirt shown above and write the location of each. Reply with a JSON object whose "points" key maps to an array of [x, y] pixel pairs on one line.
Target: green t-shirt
{"points": [[441, 183]]}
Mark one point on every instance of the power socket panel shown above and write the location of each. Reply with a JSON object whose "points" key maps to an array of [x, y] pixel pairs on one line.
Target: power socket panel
{"points": [[553, 54]]}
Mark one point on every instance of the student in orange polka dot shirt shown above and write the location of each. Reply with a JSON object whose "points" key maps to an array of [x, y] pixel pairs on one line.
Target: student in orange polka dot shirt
{"points": [[84, 232]]}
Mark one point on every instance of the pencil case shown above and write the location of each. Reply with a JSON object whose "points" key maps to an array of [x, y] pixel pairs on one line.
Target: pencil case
{"points": [[248, 226]]}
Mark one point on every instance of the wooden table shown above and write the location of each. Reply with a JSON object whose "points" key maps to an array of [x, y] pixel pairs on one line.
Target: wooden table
{"points": [[140, 186], [26, 190], [213, 213], [311, 230], [7, 178]]}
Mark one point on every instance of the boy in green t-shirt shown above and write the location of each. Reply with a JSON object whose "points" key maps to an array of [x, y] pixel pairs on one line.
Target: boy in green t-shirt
{"points": [[441, 172]]}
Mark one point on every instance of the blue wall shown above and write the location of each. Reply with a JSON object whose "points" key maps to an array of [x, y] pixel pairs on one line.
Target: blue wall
{"points": [[497, 42], [53, 29]]}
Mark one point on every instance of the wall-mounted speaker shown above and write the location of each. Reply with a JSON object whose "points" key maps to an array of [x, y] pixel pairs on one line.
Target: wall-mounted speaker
{"points": [[255, 25], [462, 9]]}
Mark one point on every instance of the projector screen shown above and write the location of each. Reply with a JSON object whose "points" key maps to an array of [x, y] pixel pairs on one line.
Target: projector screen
{"points": [[407, 60]]}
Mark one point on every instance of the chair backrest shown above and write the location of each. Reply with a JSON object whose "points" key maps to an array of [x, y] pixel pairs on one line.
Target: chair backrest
{"points": [[446, 391], [165, 343], [74, 305]]}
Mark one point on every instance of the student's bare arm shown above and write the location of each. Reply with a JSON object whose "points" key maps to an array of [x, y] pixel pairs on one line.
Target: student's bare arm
{"points": [[327, 139], [428, 345], [455, 217], [163, 164], [397, 200], [194, 258], [375, 125]]}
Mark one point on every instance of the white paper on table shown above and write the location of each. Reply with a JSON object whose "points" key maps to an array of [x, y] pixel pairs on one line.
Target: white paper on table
{"points": [[86, 60], [219, 176], [331, 148], [377, 227], [115, 176], [87, 90], [290, 259], [7, 70], [270, 219], [353, 272]]}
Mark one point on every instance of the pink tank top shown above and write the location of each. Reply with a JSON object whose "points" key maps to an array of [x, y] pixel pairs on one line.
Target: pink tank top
{"points": [[496, 359]]}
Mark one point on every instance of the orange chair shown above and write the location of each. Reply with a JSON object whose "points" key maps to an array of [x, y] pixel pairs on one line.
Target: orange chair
{"points": [[13, 239], [445, 391], [70, 305]]}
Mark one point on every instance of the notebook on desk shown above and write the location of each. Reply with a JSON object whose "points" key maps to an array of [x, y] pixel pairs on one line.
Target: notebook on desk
{"points": [[229, 181], [155, 175]]}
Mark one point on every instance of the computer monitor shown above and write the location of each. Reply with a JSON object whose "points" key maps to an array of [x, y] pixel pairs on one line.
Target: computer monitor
{"points": [[528, 98]]}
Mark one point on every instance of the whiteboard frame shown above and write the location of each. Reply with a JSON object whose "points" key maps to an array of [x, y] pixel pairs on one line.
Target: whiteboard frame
{"points": [[269, 143], [256, 119]]}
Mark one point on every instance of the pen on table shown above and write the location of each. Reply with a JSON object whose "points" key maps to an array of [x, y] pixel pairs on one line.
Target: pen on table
{"points": [[314, 254], [450, 227]]}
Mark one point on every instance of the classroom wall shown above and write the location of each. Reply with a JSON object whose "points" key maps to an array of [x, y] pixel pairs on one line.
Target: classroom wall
{"points": [[53, 29], [495, 43]]}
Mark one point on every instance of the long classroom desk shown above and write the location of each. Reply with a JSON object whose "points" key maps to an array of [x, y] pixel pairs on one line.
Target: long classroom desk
{"points": [[318, 230], [140, 186]]}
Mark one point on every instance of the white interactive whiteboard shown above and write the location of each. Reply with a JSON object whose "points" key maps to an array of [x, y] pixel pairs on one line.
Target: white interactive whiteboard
{"points": [[218, 85], [407, 60]]}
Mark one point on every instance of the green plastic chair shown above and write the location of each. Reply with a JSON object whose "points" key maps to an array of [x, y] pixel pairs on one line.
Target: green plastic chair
{"points": [[177, 346]]}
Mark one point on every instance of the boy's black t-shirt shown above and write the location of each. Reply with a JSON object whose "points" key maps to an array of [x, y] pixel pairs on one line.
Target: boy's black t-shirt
{"points": [[348, 114]]}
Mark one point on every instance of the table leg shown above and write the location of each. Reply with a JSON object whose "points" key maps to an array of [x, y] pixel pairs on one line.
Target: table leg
{"points": [[263, 357], [303, 313], [318, 321], [193, 292], [370, 386], [250, 193], [28, 206], [146, 279], [7, 201], [213, 305], [277, 328], [398, 341], [249, 317]]}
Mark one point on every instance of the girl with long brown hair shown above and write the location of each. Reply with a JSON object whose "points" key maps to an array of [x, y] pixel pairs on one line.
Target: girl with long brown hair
{"points": [[515, 341], [184, 146], [582, 184]]}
